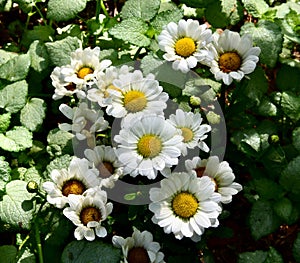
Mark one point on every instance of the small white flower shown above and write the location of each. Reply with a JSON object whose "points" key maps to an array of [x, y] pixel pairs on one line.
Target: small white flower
{"points": [[106, 161], [74, 180], [219, 172], [147, 145], [85, 121], [185, 205], [234, 56], [87, 212], [104, 81], [80, 73], [185, 44], [140, 247], [189, 126], [132, 93]]}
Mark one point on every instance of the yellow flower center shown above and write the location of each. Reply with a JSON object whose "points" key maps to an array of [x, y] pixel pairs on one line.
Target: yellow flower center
{"points": [[134, 101], [185, 205], [149, 146], [84, 71], [73, 187], [187, 134], [89, 214], [230, 61], [106, 169], [185, 47], [138, 255]]}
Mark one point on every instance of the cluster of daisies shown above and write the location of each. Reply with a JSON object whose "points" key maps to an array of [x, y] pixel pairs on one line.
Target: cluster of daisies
{"points": [[129, 107], [229, 56]]}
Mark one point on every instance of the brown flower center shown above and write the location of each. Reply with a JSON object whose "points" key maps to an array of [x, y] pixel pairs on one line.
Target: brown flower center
{"points": [[200, 171], [73, 186], [89, 214], [230, 61], [138, 255], [106, 169]]}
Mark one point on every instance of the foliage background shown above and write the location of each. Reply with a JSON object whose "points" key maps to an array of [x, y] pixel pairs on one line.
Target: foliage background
{"points": [[262, 115]]}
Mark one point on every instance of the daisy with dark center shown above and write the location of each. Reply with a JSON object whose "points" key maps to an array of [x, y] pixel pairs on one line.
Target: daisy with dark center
{"points": [[77, 179], [106, 161], [185, 44], [87, 212], [185, 205], [139, 248], [79, 74], [219, 172], [132, 94], [85, 122], [148, 144], [234, 56], [189, 126]]}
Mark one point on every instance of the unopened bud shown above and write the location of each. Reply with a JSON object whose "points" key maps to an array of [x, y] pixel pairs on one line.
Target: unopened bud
{"points": [[213, 118], [32, 187], [195, 101]]}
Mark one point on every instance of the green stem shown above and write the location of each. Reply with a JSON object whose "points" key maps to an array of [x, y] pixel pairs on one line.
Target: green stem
{"points": [[137, 53], [98, 8], [38, 242], [40, 13], [223, 97], [104, 8]]}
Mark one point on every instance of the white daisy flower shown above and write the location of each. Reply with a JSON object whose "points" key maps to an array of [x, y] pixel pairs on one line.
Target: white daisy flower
{"points": [[147, 145], [81, 71], [234, 56], [185, 205], [219, 172], [104, 81], [185, 44], [85, 122], [139, 248], [189, 126], [106, 161], [87, 212], [132, 93], [74, 180]]}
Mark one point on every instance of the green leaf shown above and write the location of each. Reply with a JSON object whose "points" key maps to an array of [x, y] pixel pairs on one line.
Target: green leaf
{"points": [[63, 10], [296, 248], [255, 7], [13, 96], [266, 189], [6, 56], [290, 73], [257, 85], [4, 173], [291, 105], [31, 174], [263, 220], [15, 140], [59, 142], [33, 113], [233, 10], [96, 251], [58, 163], [296, 138], [283, 208], [164, 18], [8, 254], [25, 256], [60, 51], [132, 30], [257, 256], [267, 108], [197, 3], [39, 56], [144, 10], [215, 15], [42, 33], [274, 256], [4, 122], [293, 19], [290, 178], [266, 35], [16, 68], [16, 207]]}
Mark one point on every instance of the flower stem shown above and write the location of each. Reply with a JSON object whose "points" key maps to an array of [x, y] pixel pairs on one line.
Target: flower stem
{"points": [[104, 8], [223, 97], [98, 8], [137, 53], [38, 242]]}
